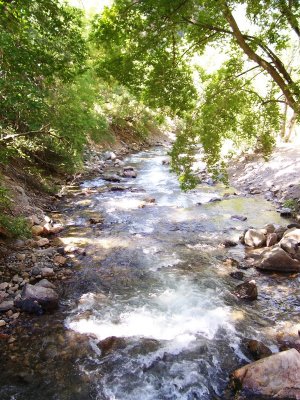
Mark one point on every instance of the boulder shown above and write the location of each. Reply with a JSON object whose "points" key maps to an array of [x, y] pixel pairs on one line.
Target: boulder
{"points": [[277, 376], [109, 155], [271, 239], [257, 349], [291, 242], [35, 299], [270, 228], [276, 259], [46, 284], [246, 290], [255, 238]]}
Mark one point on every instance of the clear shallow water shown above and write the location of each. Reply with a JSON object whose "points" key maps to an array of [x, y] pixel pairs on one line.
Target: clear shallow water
{"points": [[153, 279]]}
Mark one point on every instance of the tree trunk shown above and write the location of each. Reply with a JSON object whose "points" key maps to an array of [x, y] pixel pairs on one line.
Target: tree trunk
{"points": [[268, 67]]}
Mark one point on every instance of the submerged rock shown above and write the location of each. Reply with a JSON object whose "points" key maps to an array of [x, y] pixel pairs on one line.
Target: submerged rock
{"points": [[246, 290], [276, 259], [277, 376], [110, 344]]}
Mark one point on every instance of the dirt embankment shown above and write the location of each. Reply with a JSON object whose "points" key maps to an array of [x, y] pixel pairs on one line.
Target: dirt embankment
{"points": [[277, 179]]}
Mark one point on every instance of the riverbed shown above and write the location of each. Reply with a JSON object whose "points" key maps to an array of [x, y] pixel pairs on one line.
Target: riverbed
{"points": [[149, 312]]}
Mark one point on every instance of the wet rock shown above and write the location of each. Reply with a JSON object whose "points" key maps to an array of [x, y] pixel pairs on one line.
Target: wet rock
{"points": [[277, 376], [35, 271], [294, 225], [239, 217], [291, 242], [239, 275], [229, 243], [110, 344], [149, 200], [285, 212], [35, 299], [246, 290], [129, 172], [111, 178], [6, 305], [255, 238], [215, 199], [271, 239], [276, 259], [257, 349], [231, 262], [96, 220], [280, 230]]}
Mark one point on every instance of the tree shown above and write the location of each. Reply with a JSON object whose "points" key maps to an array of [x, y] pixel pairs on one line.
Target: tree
{"points": [[42, 47], [149, 47]]}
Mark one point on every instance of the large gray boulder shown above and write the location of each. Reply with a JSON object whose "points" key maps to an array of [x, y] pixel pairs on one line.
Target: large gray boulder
{"points": [[36, 299], [276, 377], [255, 237], [276, 259], [291, 242]]}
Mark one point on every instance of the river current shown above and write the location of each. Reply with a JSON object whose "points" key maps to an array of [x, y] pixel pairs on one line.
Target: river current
{"points": [[153, 293]]}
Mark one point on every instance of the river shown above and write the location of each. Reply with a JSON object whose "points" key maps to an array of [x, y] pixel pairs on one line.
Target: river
{"points": [[153, 288]]}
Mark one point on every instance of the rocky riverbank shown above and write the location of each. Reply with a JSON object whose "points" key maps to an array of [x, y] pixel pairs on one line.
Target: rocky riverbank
{"points": [[277, 179], [33, 270]]}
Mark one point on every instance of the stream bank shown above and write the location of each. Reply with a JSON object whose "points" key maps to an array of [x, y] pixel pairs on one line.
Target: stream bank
{"points": [[139, 246]]}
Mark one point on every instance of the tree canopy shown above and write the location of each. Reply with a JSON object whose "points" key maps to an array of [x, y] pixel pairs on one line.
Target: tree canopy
{"points": [[150, 46]]}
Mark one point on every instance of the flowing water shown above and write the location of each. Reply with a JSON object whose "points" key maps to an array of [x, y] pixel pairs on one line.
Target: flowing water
{"points": [[152, 294]]}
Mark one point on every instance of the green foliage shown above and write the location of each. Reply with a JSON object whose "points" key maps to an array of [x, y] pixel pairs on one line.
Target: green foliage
{"points": [[150, 47], [14, 227], [292, 204]]}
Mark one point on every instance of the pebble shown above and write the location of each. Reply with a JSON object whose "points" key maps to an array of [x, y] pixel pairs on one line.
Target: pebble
{"points": [[2, 322]]}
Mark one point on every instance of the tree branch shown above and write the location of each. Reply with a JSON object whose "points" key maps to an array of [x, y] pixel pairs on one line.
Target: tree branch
{"points": [[259, 60]]}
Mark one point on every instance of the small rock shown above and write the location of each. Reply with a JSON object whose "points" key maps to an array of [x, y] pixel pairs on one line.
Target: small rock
{"points": [[42, 242], [239, 217], [6, 305], [4, 285], [59, 260], [111, 178], [21, 257], [37, 230], [229, 243], [149, 199], [246, 290], [46, 272], [239, 275], [215, 199], [2, 322]]}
